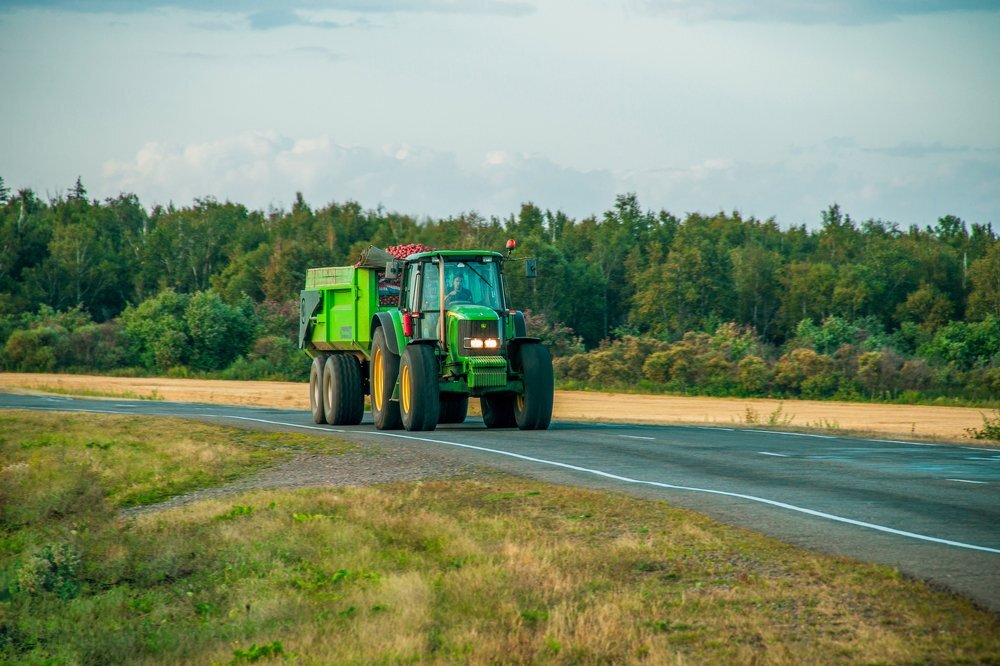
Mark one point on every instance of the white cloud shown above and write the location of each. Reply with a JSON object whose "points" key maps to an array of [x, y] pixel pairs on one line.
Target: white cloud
{"points": [[264, 168], [844, 12]]}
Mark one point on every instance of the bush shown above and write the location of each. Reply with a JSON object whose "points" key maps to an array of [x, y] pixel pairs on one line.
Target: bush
{"points": [[560, 339], [752, 375], [218, 332], [158, 327], [806, 372], [272, 357], [100, 347], [54, 569]]}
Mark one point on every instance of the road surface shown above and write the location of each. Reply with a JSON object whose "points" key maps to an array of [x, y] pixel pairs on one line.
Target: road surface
{"points": [[931, 510]]}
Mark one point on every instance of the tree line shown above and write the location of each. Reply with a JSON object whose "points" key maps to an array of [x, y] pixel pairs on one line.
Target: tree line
{"points": [[720, 304]]}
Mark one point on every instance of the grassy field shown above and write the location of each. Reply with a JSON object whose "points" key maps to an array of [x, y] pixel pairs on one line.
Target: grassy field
{"points": [[472, 571]]}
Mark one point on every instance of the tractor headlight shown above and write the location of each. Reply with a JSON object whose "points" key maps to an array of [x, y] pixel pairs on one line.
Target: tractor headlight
{"points": [[476, 343], [491, 343]]}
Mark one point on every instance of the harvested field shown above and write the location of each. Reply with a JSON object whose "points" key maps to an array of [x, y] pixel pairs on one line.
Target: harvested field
{"points": [[915, 421]]}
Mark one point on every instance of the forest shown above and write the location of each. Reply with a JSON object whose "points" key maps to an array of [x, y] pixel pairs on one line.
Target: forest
{"points": [[630, 299]]}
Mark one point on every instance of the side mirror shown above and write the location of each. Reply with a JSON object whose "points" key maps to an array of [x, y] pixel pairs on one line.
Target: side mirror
{"points": [[393, 269], [530, 268]]}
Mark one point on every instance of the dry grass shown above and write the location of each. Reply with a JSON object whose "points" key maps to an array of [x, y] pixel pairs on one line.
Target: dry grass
{"points": [[499, 571], [518, 572]]}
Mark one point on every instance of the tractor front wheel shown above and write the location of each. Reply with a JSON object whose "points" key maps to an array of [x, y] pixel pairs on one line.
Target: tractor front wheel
{"points": [[383, 372], [419, 401], [533, 408]]}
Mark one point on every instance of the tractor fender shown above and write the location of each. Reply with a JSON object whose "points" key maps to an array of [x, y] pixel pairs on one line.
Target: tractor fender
{"points": [[520, 328], [513, 344], [393, 329]]}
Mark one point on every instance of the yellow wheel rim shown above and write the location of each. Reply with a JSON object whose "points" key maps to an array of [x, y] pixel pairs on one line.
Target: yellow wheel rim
{"points": [[404, 388], [378, 379], [520, 402]]}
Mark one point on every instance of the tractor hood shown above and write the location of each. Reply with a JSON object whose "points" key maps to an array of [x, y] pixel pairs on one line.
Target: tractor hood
{"points": [[473, 312]]}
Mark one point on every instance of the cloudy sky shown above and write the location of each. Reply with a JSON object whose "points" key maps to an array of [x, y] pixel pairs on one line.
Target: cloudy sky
{"points": [[434, 107]]}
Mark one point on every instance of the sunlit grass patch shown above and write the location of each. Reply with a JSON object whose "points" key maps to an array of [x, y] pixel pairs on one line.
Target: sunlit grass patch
{"points": [[135, 460]]}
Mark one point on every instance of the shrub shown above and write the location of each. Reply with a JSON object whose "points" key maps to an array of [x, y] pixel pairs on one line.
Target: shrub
{"points": [[915, 375], [99, 347], [219, 333], [54, 569], [560, 339], [752, 375], [159, 330], [272, 357], [804, 367], [574, 368], [36, 349]]}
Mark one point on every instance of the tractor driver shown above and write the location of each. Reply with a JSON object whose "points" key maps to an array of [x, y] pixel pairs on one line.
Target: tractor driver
{"points": [[458, 291]]}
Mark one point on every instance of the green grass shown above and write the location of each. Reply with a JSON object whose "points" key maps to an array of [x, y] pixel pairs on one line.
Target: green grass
{"points": [[134, 460], [504, 570]]}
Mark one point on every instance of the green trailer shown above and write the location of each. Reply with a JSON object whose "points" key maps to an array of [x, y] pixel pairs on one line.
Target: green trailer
{"points": [[422, 335]]}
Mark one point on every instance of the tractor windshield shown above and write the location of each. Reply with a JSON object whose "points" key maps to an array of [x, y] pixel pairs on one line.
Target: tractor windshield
{"points": [[476, 283]]}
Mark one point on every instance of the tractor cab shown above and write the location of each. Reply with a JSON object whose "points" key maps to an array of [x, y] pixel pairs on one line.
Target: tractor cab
{"points": [[456, 288]]}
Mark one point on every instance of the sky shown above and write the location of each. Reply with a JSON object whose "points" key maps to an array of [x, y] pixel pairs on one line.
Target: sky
{"points": [[772, 108]]}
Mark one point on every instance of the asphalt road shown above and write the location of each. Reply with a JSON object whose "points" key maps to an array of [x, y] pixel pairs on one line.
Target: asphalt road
{"points": [[931, 510]]}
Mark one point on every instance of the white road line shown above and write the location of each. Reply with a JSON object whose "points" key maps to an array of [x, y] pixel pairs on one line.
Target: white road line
{"points": [[638, 437], [670, 486], [791, 434], [711, 428], [966, 481], [616, 477], [768, 453]]}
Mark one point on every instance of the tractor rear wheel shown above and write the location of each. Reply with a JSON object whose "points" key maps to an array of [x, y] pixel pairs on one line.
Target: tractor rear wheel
{"points": [[383, 372], [454, 408], [533, 408], [316, 388], [498, 410], [342, 399], [419, 401]]}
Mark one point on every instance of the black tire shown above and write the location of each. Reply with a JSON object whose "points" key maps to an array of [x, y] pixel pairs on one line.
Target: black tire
{"points": [[383, 371], [498, 410], [454, 408], [316, 388], [342, 400], [419, 399], [533, 408]]}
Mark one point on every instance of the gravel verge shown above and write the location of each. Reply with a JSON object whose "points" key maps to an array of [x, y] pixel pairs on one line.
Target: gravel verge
{"points": [[372, 465]]}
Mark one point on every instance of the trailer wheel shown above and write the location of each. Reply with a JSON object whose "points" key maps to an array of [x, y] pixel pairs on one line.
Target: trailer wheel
{"points": [[498, 410], [383, 372], [533, 408], [419, 404], [316, 388], [342, 400], [454, 408]]}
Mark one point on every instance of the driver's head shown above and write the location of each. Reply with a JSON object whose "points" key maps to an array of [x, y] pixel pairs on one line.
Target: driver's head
{"points": [[456, 282]]}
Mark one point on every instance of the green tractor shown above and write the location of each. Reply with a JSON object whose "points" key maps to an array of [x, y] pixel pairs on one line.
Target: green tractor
{"points": [[422, 334]]}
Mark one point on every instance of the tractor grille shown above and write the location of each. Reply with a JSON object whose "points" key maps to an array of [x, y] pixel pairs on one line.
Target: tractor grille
{"points": [[478, 329], [487, 371]]}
